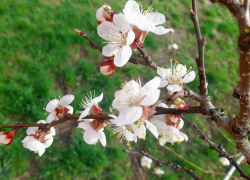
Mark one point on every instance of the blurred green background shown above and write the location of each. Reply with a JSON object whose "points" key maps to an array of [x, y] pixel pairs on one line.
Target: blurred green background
{"points": [[41, 57]]}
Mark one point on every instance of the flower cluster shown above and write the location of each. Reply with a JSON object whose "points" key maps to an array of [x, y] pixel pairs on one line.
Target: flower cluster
{"points": [[123, 32]]}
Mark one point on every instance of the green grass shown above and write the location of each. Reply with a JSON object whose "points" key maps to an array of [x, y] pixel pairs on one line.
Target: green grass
{"points": [[41, 57]]}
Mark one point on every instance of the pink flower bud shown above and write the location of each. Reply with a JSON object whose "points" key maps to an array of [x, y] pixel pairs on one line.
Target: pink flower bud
{"points": [[7, 137], [181, 105], [104, 13], [107, 67]]}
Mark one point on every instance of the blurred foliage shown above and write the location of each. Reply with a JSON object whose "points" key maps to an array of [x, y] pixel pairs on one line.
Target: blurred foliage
{"points": [[41, 57]]}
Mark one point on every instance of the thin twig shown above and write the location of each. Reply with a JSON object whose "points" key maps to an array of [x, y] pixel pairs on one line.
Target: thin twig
{"points": [[218, 148], [147, 58], [201, 46], [162, 163], [192, 164]]}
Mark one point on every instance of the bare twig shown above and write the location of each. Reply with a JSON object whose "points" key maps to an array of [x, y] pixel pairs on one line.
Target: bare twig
{"points": [[201, 46], [147, 58], [218, 148], [162, 163]]}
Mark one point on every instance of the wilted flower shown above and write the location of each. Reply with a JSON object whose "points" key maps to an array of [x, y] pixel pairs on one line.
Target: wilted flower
{"points": [[224, 161], [37, 140], [146, 162], [91, 105], [131, 101], [158, 171], [104, 13], [119, 37], [108, 67], [93, 131], [58, 108], [175, 76]]}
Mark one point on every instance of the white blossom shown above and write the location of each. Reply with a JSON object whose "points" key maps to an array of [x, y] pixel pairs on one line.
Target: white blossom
{"points": [[146, 162], [140, 129], [91, 105], [119, 37], [57, 108], [93, 131], [38, 140], [145, 19], [132, 99], [104, 13], [173, 46], [175, 76]]}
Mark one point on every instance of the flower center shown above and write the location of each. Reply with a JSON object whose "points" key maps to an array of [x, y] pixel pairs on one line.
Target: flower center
{"points": [[60, 111]]}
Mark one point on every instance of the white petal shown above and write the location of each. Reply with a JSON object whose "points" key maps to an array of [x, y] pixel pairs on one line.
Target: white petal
{"points": [[174, 88], [98, 99], [41, 122], [31, 130], [27, 139], [53, 131], [189, 77], [106, 30], [66, 100], [128, 135], [151, 98], [41, 151], [90, 136], [110, 50], [164, 72], [102, 138], [129, 115], [162, 105], [140, 131], [150, 86], [157, 18], [84, 125], [185, 137], [84, 113], [48, 142], [122, 56], [181, 124], [152, 129], [34, 145], [163, 83], [132, 12], [121, 22], [160, 30], [51, 117], [131, 37], [182, 70], [51, 106], [113, 116], [71, 110]]}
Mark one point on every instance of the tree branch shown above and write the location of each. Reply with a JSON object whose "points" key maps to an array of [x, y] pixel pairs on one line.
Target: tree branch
{"points": [[218, 148], [201, 46], [162, 163]]}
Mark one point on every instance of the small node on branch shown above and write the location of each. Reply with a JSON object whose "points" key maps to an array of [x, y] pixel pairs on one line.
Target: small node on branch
{"points": [[140, 55], [192, 12], [202, 136], [220, 155], [220, 146]]}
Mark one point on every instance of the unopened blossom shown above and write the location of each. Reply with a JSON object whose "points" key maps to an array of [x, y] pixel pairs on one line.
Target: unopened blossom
{"points": [[104, 13], [7, 137], [144, 20], [119, 37], [58, 108], [224, 161], [173, 46], [175, 76], [124, 131], [93, 131], [140, 129], [37, 139], [108, 67], [180, 104], [132, 100], [146, 162], [91, 105]]}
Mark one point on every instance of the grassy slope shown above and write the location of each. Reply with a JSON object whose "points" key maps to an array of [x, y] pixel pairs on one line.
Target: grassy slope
{"points": [[42, 57]]}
